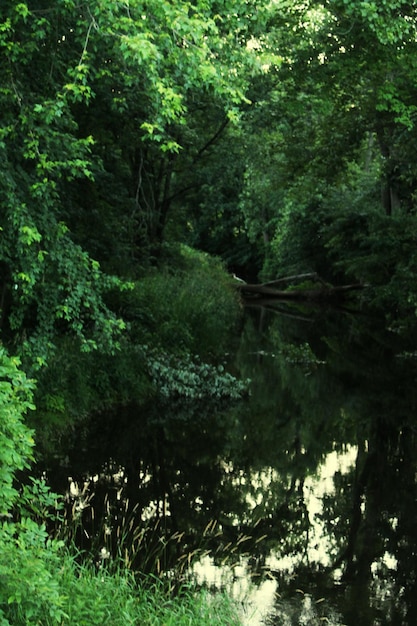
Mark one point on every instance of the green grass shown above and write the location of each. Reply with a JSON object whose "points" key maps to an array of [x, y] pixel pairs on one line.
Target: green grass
{"points": [[82, 595], [116, 599], [47, 582]]}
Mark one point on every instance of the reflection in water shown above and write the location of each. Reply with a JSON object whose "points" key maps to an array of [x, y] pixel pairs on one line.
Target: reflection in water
{"points": [[262, 601], [304, 493], [256, 602]]}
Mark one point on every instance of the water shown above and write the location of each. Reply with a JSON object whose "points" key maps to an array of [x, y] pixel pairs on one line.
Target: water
{"points": [[262, 603], [301, 500]]}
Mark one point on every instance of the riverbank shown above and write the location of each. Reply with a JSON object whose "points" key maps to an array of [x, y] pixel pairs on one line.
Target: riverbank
{"points": [[55, 591]]}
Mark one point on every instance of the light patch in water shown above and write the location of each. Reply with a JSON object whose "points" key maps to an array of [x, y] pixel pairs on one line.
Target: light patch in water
{"points": [[255, 602], [315, 488], [258, 601], [388, 560]]}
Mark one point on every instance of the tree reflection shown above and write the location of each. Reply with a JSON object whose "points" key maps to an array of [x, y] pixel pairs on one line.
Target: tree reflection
{"points": [[369, 515], [243, 479]]}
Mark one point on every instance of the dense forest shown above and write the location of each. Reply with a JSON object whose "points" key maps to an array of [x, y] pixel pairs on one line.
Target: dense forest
{"points": [[152, 152]]}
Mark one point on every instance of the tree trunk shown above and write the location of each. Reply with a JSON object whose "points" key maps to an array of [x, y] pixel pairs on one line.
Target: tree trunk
{"points": [[267, 291]]}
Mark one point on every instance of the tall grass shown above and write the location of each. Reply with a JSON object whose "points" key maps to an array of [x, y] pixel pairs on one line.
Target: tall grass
{"points": [[85, 595], [116, 598], [112, 532], [47, 581]]}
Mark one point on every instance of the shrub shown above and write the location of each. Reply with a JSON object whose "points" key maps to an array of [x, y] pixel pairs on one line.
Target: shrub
{"points": [[191, 308], [16, 440]]}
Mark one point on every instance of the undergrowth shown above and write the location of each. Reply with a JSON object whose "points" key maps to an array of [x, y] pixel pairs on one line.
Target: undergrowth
{"points": [[60, 592], [45, 582]]}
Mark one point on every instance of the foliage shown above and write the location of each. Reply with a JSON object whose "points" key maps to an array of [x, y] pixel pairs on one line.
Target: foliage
{"points": [[25, 554], [187, 306], [280, 136], [47, 586], [95, 103], [107, 111], [378, 250], [40, 580], [29, 567], [41, 583], [48, 281], [98, 596], [16, 440], [336, 109], [181, 320], [67, 395], [193, 393], [208, 216]]}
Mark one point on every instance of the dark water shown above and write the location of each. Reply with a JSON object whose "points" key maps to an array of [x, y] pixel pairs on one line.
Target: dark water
{"points": [[301, 497]]}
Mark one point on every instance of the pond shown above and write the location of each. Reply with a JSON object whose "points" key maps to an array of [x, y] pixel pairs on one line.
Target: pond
{"points": [[301, 498]]}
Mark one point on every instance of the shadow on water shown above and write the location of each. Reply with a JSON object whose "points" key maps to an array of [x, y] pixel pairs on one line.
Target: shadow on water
{"points": [[306, 488]]}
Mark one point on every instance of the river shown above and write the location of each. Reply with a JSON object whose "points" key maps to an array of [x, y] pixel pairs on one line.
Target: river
{"points": [[300, 499]]}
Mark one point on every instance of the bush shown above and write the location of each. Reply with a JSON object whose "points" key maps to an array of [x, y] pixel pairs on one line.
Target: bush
{"points": [[30, 590], [191, 308], [16, 441]]}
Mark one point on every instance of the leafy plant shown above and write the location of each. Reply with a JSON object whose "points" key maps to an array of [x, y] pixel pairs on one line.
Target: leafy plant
{"points": [[189, 308], [16, 439], [30, 590], [27, 586]]}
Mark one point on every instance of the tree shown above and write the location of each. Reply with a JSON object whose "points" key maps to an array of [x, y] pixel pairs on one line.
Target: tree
{"points": [[108, 110], [48, 280], [335, 110], [101, 106]]}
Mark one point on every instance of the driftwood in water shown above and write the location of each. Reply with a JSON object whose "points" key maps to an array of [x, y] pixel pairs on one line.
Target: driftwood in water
{"points": [[267, 292]]}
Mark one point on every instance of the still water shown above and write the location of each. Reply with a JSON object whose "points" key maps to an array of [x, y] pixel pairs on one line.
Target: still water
{"points": [[300, 499]]}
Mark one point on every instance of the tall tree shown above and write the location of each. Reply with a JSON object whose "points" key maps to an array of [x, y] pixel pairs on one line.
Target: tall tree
{"points": [[97, 99], [336, 110]]}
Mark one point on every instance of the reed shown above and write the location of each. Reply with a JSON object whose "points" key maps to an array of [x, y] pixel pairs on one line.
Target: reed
{"points": [[113, 532], [50, 582], [88, 597]]}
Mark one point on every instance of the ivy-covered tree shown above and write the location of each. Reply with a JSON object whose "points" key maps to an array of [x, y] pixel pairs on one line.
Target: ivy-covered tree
{"points": [[111, 112], [98, 124]]}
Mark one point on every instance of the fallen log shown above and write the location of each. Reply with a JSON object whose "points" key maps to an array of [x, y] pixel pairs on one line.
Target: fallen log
{"points": [[322, 293]]}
